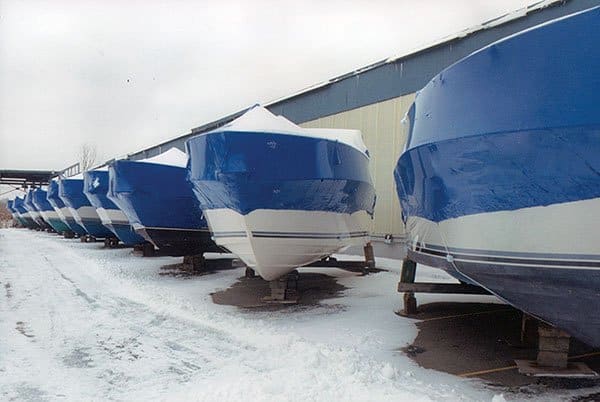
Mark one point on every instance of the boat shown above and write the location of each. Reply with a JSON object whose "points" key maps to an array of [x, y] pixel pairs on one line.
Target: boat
{"points": [[14, 213], [19, 206], [280, 196], [33, 211], [70, 190], [62, 210], [158, 200], [50, 216], [95, 188], [499, 182]]}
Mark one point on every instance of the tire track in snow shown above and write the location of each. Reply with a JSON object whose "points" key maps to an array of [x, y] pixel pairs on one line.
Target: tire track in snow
{"points": [[112, 343], [111, 337]]}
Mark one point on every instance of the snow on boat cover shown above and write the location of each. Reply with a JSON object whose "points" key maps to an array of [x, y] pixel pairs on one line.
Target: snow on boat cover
{"points": [[500, 183], [157, 198], [281, 196]]}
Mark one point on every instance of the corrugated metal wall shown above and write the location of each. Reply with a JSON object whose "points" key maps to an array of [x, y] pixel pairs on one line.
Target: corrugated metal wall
{"points": [[382, 131]]}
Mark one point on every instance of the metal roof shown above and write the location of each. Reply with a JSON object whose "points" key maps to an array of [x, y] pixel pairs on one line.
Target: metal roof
{"points": [[26, 177], [395, 76]]}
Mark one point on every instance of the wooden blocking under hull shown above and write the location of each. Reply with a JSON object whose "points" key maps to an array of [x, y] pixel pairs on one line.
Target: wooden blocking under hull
{"points": [[284, 290], [553, 347], [409, 287], [194, 263], [553, 356]]}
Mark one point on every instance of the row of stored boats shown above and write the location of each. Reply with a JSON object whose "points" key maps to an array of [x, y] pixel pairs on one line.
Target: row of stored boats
{"points": [[277, 195], [499, 181]]}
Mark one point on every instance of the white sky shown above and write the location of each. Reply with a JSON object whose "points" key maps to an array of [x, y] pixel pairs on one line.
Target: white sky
{"points": [[124, 75]]}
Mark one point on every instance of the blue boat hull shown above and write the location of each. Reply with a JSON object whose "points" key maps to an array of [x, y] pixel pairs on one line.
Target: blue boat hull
{"points": [[34, 213], [500, 183], [159, 203], [47, 212], [71, 193], [60, 208], [19, 206], [95, 189]]}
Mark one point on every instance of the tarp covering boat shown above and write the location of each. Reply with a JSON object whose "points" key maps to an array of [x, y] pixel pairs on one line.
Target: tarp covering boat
{"points": [[281, 196], [95, 187], [499, 183], [158, 200], [71, 193]]}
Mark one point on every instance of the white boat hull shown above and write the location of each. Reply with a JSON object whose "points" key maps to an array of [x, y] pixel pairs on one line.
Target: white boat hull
{"points": [[275, 242]]}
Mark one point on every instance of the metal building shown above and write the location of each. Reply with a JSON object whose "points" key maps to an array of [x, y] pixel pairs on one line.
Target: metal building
{"points": [[375, 98]]}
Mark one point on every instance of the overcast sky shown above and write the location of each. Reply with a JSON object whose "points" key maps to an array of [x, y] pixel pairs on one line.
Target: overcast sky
{"points": [[124, 75]]}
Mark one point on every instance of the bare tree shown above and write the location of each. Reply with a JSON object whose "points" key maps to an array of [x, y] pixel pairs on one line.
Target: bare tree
{"points": [[87, 157]]}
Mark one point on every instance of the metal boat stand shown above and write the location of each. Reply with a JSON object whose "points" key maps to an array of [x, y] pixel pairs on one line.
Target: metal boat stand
{"points": [[67, 234], [284, 290], [553, 353], [409, 287], [363, 266]]}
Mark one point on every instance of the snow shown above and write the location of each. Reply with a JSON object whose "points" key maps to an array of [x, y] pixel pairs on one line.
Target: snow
{"points": [[80, 322], [259, 119], [172, 157]]}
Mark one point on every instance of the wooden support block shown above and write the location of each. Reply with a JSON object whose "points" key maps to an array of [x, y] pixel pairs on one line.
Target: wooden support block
{"points": [[552, 344], [148, 250], [529, 330], [553, 349], [194, 262], [410, 304], [369, 257], [284, 290], [552, 359], [409, 271], [434, 287]]}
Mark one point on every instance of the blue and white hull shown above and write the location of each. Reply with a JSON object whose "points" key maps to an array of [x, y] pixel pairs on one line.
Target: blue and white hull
{"points": [[14, 213], [158, 200], [62, 210], [19, 206], [500, 183], [95, 189], [281, 199], [85, 215], [33, 211], [47, 212]]}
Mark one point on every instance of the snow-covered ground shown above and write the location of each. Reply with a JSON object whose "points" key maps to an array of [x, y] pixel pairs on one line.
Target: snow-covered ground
{"points": [[80, 322]]}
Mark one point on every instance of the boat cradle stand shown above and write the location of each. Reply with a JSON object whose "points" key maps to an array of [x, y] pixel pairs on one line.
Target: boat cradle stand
{"points": [[284, 290], [111, 242], [68, 234], [146, 249], [364, 266], [553, 344], [87, 239], [409, 287]]}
